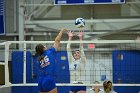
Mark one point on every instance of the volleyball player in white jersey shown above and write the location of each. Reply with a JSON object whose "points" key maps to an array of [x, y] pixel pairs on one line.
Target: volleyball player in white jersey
{"points": [[77, 63], [96, 88]]}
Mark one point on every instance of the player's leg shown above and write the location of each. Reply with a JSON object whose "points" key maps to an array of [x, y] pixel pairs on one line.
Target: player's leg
{"points": [[71, 92], [81, 92], [53, 91]]}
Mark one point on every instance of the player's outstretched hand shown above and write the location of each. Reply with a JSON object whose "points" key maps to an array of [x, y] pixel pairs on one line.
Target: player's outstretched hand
{"points": [[138, 38], [81, 33], [70, 34]]}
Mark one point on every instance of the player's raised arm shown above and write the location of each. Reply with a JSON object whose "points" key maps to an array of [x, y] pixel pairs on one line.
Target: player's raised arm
{"points": [[58, 39], [70, 34], [83, 57]]}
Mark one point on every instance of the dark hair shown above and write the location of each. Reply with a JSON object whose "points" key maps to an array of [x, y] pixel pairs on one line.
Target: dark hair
{"points": [[39, 49], [73, 52], [77, 50], [106, 83]]}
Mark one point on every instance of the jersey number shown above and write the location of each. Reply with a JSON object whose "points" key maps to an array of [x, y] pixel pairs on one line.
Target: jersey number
{"points": [[44, 62]]}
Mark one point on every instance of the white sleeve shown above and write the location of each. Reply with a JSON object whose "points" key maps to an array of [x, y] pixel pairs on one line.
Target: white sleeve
{"points": [[69, 53], [83, 57]]}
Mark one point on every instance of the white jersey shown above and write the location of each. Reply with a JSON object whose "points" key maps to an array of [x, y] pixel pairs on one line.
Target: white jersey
{"points": [[100, 91], [77, 71], [77, 67], [93, 91]]}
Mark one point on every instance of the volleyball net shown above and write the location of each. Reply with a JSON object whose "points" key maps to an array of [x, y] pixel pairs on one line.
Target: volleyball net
{"points": [[115, 60]]}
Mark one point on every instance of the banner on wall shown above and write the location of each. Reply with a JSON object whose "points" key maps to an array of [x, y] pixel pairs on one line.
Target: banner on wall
{"points": [[2, 17], [73, 2]]}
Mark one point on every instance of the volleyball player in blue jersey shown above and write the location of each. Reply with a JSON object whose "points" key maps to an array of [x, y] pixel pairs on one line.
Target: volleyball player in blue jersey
{"points": [[46, 58]]}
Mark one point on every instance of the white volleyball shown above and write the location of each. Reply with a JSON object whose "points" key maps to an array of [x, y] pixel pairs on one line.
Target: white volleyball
{"points": [[79, 22]]}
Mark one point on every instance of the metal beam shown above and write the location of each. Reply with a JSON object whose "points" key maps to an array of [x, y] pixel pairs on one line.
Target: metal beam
{"points": [[116, 31], [55, 33], [74, 42], [21, 32], [34, 10], [37, 5], [87, 21], [133, 2], [49, 4], [45, 9], [136, 8]]}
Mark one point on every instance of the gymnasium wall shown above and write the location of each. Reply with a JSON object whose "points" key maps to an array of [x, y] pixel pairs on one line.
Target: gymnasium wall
{"points": [[62, 71], [126, 70]]}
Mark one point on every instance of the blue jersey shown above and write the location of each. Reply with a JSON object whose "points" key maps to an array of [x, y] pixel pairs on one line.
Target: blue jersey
{"points": [[47, 64]]}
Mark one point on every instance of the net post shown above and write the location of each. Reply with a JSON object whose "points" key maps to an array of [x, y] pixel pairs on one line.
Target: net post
{"points": [[6, 63], [24, 68]]}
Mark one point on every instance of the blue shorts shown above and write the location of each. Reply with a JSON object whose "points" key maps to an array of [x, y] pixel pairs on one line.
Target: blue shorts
{"points": [[77, 88], [46, 84]]}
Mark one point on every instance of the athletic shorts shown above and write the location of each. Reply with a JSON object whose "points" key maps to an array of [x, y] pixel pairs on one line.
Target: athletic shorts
{"points": [[46, 84], [77, 88]]}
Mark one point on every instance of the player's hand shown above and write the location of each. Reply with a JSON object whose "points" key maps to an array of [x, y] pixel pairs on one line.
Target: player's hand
{"points": [[81, 33], [138, 38], [70, 34]]}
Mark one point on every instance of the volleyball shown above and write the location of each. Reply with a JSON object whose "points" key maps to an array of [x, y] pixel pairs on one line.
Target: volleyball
{"points": [[79, 22]]}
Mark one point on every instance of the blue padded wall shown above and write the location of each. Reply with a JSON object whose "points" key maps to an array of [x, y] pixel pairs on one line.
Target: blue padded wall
{"points": [[62, 71], [126, 70], [62, 68], [17, 72], [35, 69], [17, 66]]}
